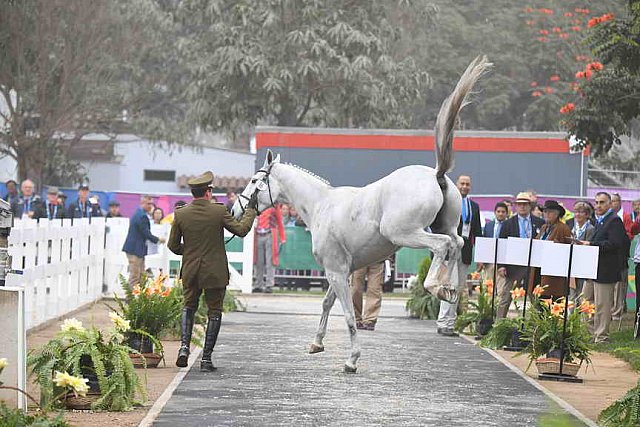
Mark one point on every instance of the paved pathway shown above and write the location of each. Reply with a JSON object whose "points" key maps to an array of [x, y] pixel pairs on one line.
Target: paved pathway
{"points": [[407, 376]]}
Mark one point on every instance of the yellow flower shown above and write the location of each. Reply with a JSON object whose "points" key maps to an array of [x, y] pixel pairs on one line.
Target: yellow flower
{"points": [[518, 293], [121, 324], [78, 384], [3, 363], [72, 325]]}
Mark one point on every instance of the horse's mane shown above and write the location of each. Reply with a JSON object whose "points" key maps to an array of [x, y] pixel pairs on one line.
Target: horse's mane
{"points": [[308, 172]]}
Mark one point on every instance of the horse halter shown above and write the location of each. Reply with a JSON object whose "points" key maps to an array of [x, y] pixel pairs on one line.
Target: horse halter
{"points": [[264, 180]]}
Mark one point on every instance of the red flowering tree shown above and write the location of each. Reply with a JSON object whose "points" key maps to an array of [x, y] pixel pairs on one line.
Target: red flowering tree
{"points": [[608, 91]]}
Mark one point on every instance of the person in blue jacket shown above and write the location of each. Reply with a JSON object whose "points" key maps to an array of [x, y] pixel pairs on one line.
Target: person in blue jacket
{"points": [[135, 246]]}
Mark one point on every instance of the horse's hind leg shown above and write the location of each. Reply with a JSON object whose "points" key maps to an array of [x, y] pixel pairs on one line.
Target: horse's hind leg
{"points": [[327, 303], [437, 282], [340, 285]]}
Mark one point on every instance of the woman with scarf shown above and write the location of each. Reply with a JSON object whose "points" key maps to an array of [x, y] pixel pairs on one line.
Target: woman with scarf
{"points": [[558, 232]]}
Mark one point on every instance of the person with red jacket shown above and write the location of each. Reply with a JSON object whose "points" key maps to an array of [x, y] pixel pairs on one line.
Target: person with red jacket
{"points": [[269, 236]]}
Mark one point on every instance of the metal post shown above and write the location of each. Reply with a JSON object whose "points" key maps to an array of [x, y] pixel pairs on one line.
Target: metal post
{"points": [[494, 289]]}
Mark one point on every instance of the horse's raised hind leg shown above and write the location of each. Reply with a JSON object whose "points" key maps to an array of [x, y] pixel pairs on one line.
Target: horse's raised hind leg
{"points": [[437, 282], [339, 283], [327, 303]]}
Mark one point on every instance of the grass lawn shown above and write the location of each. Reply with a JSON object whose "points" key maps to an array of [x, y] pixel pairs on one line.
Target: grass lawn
{"points": [[622, 344]]}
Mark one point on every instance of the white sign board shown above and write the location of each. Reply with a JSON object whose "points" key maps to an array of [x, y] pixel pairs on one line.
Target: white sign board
{"points": [[485, 250], [518, 251], [538, 250], [13, 338], [584, 262]]}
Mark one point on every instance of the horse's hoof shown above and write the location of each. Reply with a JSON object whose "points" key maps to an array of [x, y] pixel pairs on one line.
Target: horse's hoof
{"points": [[316, 349], [448, 294], [350, 369]]}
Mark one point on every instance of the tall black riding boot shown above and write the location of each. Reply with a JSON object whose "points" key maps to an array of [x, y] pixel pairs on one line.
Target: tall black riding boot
{"points": [[213, 328], [187, 328]]}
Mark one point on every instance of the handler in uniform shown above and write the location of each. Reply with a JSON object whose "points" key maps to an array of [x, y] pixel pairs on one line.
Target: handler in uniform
{"points": [[197, 234]]}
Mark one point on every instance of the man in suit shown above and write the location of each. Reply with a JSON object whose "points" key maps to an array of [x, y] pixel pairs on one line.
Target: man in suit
{"points": [[26, 205], [135, 246], [197, 235], [611, 239], [492, 230], [82, 207], [50, 209], [469, 228], [523, 225]]}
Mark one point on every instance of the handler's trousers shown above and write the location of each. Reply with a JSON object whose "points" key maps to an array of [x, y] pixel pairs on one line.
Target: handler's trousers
{"points": [[214, 298], [265, 262], [503, 291], [136, 269], [374, 273], [447, 315], [620, 294], [602, 295]]}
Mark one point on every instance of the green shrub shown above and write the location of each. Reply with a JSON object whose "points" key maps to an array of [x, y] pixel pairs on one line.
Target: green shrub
{"points": [[624, 412], [421, 304], [17, 418]]}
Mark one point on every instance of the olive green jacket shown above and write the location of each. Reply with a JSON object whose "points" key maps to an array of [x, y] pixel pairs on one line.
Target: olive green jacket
{"points": [[197, 234]]}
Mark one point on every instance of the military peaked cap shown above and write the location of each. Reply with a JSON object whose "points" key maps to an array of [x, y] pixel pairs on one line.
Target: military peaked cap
{"points": [[201, 181]]}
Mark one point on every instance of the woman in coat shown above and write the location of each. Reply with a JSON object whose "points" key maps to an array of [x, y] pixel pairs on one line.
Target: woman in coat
{"points": [[582, 229], [556, 231]]}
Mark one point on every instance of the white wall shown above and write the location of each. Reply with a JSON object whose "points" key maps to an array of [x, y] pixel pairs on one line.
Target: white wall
{"points": [[186, 160]]}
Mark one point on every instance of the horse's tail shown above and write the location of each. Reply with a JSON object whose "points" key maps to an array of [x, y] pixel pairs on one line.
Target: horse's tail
{"points": [[448, 115]]}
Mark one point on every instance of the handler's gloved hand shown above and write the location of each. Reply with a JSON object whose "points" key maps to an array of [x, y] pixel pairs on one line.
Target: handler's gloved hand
{"points": [[253, 201]]}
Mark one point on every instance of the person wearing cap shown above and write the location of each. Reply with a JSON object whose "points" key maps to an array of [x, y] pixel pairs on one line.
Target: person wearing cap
{"points": [[555, 231], [82, 207], [62, 200], [169, 218], [197, 234], [50, 209], [135, 245], [523, 225], [114, 210]]}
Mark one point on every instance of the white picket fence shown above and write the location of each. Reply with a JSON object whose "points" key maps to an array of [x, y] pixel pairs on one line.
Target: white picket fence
{"points": [[63, 265]]}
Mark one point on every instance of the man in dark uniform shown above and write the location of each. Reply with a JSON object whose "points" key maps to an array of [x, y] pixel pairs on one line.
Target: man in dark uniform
{"points": [[83, 207], [197, 234]]}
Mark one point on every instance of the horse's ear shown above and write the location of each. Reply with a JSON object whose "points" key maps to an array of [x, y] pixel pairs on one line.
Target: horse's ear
{"points": [[277, 159], [269, 156]]}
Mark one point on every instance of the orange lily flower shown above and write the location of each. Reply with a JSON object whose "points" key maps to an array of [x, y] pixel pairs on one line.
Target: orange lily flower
{"points": [[518, 293], [166, 292], [587, 308], [136, 290], [557, 309]]}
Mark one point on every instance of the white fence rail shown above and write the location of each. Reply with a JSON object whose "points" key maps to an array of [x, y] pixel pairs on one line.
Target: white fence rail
{"points": [[63, 265]]}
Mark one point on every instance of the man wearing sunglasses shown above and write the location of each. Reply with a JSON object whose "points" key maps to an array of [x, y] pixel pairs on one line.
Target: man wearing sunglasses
{"points": [[197, 234]]}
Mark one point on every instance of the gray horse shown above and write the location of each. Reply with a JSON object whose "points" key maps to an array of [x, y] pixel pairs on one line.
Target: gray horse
{"points": [[354, 227]]}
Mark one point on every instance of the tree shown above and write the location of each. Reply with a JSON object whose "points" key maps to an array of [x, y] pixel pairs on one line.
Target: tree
{"points": [[68, 68], [297, 63], [608, 98]]}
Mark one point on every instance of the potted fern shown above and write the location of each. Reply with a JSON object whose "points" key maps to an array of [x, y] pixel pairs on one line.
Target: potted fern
{"points": [[421, 304], [543, 333], [480, 317], [150, 308], [99, 358]]}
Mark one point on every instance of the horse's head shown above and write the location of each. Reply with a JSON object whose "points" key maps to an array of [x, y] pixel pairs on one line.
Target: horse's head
{"points": [[267, 187]]}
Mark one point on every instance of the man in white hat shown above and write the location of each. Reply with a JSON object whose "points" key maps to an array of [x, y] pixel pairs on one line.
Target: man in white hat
{"points": [[523, 225]]}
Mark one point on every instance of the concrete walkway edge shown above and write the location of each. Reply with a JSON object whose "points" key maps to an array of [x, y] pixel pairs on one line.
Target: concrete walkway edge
{"points": [[562, 403], [159, 404]]}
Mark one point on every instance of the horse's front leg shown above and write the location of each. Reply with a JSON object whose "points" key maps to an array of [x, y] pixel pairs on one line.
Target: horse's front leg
{"points": [[339, 283], [327, 304]]}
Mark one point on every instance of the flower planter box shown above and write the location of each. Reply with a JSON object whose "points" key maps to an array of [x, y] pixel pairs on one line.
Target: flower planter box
{"points": [[82, 403], [140, 343], [551, 365], [150, 360]]}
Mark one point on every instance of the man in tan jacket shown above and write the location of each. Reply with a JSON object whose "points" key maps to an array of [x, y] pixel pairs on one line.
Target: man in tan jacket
{"points": [[197, 234]]}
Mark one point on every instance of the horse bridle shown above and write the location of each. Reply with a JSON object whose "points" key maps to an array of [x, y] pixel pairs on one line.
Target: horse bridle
{"points": [[265, 179]]}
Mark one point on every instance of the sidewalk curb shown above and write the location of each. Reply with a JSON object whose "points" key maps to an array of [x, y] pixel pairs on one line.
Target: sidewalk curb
{"points": [[162, 400], [562, 403]]}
